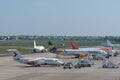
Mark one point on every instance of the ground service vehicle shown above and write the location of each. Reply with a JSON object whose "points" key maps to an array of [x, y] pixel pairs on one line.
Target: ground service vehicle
{"points": [[85, 62], [78, 65], [68, 65], [109, 64]]}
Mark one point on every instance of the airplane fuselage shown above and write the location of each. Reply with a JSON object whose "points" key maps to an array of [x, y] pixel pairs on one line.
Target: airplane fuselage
{"points": [[83, 51], [40, 61]]}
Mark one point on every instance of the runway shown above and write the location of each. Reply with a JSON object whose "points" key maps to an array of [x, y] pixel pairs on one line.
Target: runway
{"points": [[11, 70]]}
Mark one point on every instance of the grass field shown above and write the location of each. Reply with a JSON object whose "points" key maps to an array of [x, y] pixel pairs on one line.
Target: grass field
{"points": [[27, 45]]}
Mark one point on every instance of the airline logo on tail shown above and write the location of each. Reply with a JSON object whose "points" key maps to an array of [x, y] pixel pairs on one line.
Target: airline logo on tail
{"points": [[15, 54], [52, 47], [74, 46], [14, 51]]}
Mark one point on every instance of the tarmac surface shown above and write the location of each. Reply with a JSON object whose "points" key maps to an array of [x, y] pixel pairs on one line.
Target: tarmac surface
{"points": [[11, 70]]}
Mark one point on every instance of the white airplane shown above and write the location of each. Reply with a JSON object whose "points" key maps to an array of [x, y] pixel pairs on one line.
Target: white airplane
{"points": [[112, 45], [75, 52], [107, 49], [38, 48], [35, 61]]}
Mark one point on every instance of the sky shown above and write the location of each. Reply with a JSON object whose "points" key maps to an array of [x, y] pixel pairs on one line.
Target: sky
{"points": [[60, 17]]}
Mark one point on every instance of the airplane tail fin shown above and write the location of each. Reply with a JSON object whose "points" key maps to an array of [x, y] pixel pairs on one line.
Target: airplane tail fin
{"points": [[52, 48], [74, 46], [34, 44], [16, 54], [109, 43]]}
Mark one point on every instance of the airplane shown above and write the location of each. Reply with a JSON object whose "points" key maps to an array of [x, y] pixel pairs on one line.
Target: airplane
{"points": [[107, 49], [74, 46], [38, 48], [35, 61], [112, 45], [74, 52]]}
